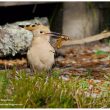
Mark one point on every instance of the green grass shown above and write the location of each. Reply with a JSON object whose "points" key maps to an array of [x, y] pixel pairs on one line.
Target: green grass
{"points": [[40, 91], [100, 52]]}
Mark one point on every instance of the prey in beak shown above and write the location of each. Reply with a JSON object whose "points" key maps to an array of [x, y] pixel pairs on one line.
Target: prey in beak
{"points": [[60, 38]]}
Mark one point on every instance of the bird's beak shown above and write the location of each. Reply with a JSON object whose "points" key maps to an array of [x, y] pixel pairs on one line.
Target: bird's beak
{"points": [[55, 34]]}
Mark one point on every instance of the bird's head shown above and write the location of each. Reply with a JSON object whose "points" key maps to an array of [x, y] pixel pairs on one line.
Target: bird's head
{"points": [[43, 31], [39, 30]]}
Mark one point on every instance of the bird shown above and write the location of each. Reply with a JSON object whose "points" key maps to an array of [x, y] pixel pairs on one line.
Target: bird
{"points": [[40, 54]]}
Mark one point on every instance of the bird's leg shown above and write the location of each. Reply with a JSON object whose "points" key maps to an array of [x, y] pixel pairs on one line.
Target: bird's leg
{"points": [[50, 73], [32, 70]]}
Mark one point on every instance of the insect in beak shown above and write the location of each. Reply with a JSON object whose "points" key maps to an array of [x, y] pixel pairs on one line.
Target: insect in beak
{"points": [[60, 38]]}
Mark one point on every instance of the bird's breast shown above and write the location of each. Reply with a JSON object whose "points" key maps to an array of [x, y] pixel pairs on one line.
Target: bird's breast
{"points": [[42, 55]]}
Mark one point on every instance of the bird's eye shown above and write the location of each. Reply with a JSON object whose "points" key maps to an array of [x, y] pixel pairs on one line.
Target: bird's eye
{"points": [[41, 32]]}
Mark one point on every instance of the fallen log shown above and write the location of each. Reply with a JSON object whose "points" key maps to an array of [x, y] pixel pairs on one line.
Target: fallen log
{"points": [[10, 63]]}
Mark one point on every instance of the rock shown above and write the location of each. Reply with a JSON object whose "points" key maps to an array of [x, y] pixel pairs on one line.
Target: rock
{"points": [[14, 39]]}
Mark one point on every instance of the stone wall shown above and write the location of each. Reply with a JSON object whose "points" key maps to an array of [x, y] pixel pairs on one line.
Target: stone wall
{"points": [[80, 19]]}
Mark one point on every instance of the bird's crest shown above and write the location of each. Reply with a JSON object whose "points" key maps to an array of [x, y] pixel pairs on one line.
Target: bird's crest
{"points": [[32, 27]]}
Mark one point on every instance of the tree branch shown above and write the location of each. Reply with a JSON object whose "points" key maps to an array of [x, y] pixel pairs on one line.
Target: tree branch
{"points": [[87, 39]]}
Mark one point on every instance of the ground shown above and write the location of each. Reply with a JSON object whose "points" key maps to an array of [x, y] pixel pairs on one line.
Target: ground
{"points": [[81, 79]]}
